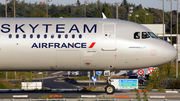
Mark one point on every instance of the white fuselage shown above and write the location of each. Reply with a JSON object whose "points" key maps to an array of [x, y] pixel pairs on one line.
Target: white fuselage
{"points": [[78, 44]]}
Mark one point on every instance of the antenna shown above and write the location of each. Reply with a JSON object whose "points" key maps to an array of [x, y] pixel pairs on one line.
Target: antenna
{"points": [[104, 17]]}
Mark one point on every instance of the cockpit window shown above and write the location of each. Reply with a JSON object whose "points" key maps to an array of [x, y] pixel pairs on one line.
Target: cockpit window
{"points": [[137, 35], [152, 35], [145, 35]]}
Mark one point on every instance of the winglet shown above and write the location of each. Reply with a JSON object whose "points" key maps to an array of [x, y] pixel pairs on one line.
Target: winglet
{"points": [[104, 17]]}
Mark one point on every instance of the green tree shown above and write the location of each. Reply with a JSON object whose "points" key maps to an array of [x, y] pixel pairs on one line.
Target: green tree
{"points": [[97, 13], [78, 3], [141, 18], [124, 2], [158, 79], [36, 13], [157, 16], [60, 15], [53, 9], [139, 7], [2, 10], [79, 12], [123, 13], [99, 5], [174, 29]]}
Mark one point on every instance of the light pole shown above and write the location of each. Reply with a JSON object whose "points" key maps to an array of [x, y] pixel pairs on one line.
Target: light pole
{"points": [[171, 20], [6, 8], [117, 4], [6, 17], [47, 7], [84, 8], [14, 17], [145, 16], [136, 16], [116, 10], [85, 3], [177, 43], [163, 17], [14, 9], [129, 13]]}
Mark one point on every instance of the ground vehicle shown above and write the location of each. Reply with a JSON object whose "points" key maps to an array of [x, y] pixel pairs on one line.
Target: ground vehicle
{"points": [[76, 73]]}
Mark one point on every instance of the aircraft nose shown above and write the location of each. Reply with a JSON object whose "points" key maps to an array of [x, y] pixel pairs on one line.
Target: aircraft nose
{"points": [[169, 52]]}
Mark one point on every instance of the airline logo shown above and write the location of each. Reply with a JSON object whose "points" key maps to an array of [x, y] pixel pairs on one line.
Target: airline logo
{"points": [[62, 45]]}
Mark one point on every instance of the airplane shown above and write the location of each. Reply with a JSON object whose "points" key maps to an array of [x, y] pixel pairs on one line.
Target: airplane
{"points": [[79, 44]]}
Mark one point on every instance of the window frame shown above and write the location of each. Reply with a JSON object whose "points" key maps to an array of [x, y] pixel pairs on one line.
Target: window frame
{"points": [[146, 35], [138, 35]]}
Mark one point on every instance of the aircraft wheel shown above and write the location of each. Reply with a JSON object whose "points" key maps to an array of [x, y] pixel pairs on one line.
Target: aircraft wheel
{"points": [[110, 89]]}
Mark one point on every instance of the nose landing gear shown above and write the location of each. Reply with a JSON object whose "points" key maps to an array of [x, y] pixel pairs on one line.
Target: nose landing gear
{"points": [[109, 89]]}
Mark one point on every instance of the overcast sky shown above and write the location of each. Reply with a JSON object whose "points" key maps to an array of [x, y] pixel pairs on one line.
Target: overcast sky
{"points": [[145, 3]]}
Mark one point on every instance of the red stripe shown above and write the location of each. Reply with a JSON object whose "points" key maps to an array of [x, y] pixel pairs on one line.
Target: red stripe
{"points": [[122, 96], [92, 44], [140, 91], [54, 95]]}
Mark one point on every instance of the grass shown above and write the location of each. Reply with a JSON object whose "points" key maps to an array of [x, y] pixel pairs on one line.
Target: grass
{"points": [[20, 75], [98, 78], [8, 85]]}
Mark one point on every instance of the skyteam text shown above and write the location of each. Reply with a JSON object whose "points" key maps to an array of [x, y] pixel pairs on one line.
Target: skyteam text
{"points": [[45, 28]]}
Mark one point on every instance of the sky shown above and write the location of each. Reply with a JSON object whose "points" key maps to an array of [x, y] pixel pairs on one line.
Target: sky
{"points": [[144, 3]]}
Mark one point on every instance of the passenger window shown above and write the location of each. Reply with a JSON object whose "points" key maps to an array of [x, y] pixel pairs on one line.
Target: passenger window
{"points": [[80, 36], [59, 36], [45, 36], [24, 35], [10, 35], [73, 36], [66, 36], [17, 36], [31, 36], [38, 36], [145, 35], [52, 36], [137, 35]]}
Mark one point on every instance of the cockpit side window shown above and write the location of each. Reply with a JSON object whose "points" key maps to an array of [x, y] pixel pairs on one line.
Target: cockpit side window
{"points": [[145, 35], [152, 35], [137, 35]]}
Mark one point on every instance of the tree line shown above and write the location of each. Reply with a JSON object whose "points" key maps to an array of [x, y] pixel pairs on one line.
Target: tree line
{"points": [[93, 9]]}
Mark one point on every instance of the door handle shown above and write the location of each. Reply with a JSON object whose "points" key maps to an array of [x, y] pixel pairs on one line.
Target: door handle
{"points": [[108, 49]]}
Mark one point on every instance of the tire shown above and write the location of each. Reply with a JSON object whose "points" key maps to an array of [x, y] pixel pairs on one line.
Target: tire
{"points": [[110, 89]]}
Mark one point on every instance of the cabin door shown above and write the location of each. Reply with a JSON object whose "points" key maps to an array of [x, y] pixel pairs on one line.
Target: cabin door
{"points": [[68, 60], [109, 37]]}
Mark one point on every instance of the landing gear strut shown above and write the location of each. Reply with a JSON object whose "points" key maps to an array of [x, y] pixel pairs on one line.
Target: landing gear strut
{"points": [[109, 89]]}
